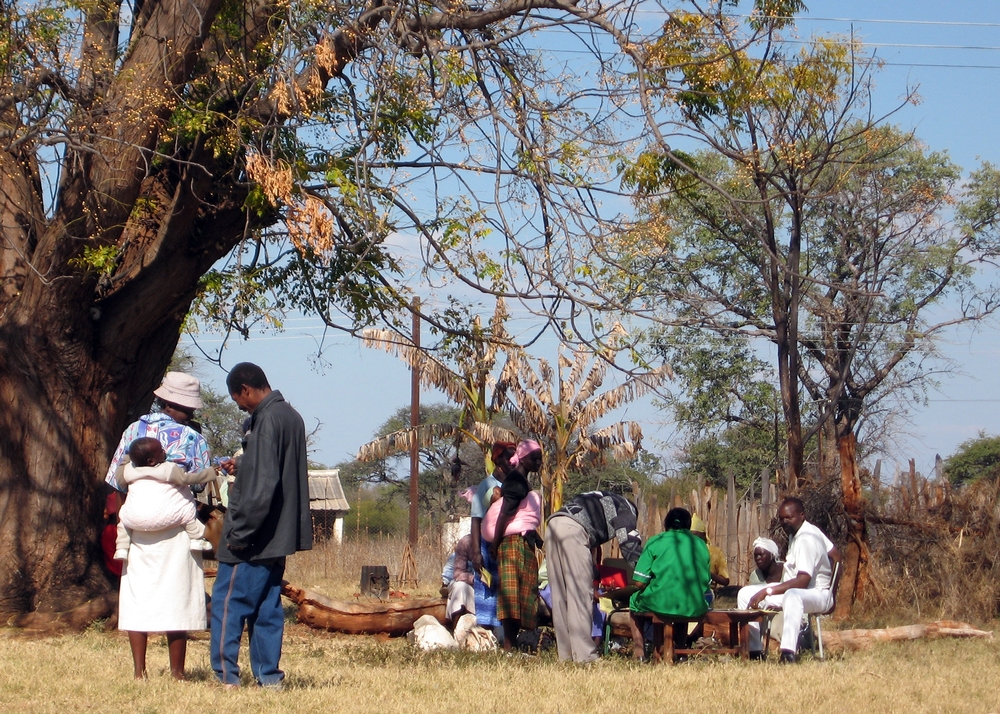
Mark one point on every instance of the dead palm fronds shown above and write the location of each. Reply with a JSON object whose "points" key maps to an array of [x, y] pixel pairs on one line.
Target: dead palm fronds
{"points": [[401, 441], [566, 426], [467, 385]]}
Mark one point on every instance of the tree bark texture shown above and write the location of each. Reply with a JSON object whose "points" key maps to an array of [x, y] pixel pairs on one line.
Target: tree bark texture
{"points": [[854, 579], [80, 352]]}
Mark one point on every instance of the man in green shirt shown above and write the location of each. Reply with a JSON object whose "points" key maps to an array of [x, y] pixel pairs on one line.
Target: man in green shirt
{"points": [[672, 574]]}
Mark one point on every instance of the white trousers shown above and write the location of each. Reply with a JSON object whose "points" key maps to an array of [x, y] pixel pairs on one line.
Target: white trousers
{"points": [[460, 595], [794, 603]]}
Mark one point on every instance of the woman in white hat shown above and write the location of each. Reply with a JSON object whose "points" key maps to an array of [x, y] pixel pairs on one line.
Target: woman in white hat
{"points": [[163, 586], [177, 398]]}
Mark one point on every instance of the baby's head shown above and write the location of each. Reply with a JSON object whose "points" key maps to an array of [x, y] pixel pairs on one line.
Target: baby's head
{"points": [[146, 451], [495, 494]]}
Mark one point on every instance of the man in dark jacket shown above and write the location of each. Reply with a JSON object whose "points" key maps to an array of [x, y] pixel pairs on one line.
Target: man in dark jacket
{"points": [[268, 518], [574, 536]]}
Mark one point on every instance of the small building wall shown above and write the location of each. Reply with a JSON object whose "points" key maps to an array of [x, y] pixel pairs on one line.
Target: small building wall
{"points": [[328, 504]]}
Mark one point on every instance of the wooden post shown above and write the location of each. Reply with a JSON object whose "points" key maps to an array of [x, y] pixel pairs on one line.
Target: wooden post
{"points": [[877, 485], [764, 515], [732, 544], [819, 455], [414, 423]]}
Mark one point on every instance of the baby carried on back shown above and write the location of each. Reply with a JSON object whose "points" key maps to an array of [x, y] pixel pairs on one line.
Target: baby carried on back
{"points": [[159, 496]]}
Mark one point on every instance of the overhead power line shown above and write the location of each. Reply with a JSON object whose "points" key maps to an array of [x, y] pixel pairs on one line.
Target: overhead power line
{"points": [[879, 21], [859, 20], [905, 45], [557, 52], [942, 66]]}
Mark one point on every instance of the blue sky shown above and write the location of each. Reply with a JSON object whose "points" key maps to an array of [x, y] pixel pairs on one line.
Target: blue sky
{"points": [[949, 51]]}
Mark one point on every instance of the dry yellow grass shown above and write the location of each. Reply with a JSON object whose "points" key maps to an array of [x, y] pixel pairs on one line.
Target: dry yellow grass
{"points": [[339, 673]]}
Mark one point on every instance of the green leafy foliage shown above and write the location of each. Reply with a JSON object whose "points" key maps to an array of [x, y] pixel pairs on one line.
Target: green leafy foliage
{"points": [[720, 381], [615, 476], [221, 422], [375, 511], [744, 449], [974, 460], [802, 222], [97, 259]]}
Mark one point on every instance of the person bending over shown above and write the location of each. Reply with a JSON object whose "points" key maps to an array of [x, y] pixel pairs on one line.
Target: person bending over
{"points": [[574, 537]]}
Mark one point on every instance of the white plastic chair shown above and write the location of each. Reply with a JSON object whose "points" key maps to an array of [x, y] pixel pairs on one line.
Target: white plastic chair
{"points": [[816, 618]]}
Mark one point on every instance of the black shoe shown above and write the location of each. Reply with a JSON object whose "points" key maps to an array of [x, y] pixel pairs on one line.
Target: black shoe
{"points": [[788, 657], [757, 655]]}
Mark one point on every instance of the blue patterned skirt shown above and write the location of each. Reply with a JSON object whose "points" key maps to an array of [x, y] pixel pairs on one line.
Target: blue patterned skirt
{"points": [[486, 598]]}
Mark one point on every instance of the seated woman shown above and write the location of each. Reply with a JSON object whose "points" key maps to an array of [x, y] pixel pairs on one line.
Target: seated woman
{"points": [[765, 555], [717, 565], [769, 568], [457, 579], [673, 575]]}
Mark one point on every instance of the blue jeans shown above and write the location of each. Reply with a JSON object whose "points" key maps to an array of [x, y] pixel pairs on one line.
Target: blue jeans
{"points": [[248, 594]]}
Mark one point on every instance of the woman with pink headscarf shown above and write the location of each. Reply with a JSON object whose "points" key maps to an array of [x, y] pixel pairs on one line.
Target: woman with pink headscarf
{"points": [[517, 564]]}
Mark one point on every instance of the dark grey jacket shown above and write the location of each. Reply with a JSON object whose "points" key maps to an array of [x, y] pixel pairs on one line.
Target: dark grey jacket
{"points": [[606, 515], [269, 501]]}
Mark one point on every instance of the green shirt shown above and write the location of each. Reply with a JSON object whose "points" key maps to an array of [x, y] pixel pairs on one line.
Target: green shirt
{"points": [[674, 566]]}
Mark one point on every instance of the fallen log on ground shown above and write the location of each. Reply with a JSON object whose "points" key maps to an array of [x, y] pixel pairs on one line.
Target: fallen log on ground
{"points": [[395, 617], [837, 640], [862, 639]]}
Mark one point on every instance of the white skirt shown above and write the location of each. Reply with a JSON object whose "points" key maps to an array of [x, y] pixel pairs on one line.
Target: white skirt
{"points": [[163, 585]]}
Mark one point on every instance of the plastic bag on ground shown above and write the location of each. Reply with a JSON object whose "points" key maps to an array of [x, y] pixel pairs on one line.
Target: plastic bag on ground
{"points": [[428, 634]]}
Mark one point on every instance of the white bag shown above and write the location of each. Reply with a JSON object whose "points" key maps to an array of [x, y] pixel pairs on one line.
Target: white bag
{"points": [[428, 634], [472, 637]]}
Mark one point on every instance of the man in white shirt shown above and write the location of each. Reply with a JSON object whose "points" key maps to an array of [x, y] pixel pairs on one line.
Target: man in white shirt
{"points": [[805, 581]]}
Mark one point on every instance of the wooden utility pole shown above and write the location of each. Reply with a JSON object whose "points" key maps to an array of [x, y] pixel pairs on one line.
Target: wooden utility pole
{"points": [[414, 423]]}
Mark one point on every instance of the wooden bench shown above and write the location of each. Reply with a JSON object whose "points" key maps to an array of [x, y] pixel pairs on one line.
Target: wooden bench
{"points": [[738, 622]]}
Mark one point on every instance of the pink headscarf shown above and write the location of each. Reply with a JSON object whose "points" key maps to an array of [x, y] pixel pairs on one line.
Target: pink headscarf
{"points": [[523, 449]]}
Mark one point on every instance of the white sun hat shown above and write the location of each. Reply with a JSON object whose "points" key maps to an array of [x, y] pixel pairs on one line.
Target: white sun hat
{"points": [[180, 389]]}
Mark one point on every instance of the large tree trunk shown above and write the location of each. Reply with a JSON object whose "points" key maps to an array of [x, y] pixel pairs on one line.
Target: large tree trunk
{"points": [[64, 410], [95, 286], [72, 375], [81, 349]]}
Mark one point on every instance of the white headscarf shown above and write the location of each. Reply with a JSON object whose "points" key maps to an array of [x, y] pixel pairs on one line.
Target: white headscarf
{"points": [[768, 545]]}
